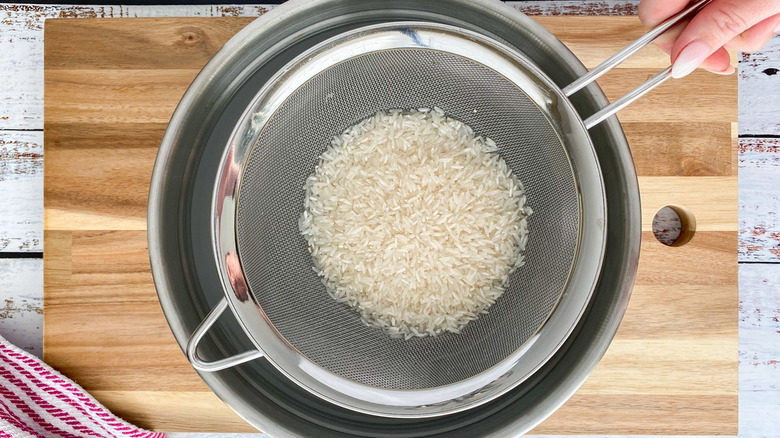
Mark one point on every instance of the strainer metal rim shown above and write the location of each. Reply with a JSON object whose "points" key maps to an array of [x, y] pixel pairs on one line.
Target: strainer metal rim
{"points": [[508, 373]]}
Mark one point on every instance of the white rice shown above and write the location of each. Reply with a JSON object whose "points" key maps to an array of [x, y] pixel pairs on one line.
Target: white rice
{"points": [[414, 222]]}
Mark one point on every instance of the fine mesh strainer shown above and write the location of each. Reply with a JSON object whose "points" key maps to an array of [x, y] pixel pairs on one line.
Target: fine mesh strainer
{"points": [[266, 268]]}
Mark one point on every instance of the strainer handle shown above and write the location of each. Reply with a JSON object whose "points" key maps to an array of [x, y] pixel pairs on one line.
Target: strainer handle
{"points": [[618, 58], [221, 364]]}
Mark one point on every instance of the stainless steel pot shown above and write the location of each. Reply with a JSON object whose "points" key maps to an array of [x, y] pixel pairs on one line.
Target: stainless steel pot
{"points": [[187, 282]]}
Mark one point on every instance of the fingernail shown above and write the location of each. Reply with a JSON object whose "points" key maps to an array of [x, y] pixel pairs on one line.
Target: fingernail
{"points": [[728, 71], [690, 57]]}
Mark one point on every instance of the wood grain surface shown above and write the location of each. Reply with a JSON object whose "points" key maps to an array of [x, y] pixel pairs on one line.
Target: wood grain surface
{"points": [[21, 66], [671, 370], [21, 106]]}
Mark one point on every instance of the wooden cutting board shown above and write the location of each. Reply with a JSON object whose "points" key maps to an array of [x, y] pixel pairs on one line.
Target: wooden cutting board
{"points": [[110, 88]]}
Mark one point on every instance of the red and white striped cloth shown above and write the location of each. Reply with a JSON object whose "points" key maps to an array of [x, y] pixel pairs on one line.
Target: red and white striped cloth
{"points": [[37, 401]]}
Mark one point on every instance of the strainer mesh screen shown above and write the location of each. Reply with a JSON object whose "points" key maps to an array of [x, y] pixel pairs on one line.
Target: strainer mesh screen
{"points": [[278, 266]]}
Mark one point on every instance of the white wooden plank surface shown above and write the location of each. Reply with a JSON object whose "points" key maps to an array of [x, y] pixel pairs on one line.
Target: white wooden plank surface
{"points": [[759, 327], [582, 7], [759, 199], [759, 107], [21, 303], [758, 414], [21, 191], [759, 350]]}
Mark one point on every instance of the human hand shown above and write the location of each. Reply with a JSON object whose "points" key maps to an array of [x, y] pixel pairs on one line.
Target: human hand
{"points": [[744, 25]]}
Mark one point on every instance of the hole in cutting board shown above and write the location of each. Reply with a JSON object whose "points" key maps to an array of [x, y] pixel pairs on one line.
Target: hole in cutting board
{"points": [[674, 225]]}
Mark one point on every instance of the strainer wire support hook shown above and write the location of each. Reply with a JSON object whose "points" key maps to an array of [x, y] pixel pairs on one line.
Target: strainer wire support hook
{"points": [[209, 366], [619, 57]]}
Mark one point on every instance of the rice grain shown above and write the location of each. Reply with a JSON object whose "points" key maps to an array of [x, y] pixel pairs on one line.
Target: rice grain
{"points": [[415, 222]]}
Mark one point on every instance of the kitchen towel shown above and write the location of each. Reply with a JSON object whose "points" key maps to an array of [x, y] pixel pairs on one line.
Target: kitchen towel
{"points": [[37, 401]]}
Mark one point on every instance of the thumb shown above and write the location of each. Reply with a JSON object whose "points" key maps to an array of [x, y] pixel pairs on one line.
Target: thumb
{"points": [[714, 26]]}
